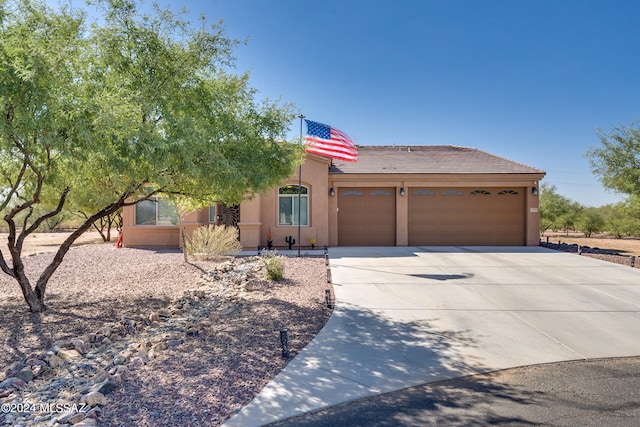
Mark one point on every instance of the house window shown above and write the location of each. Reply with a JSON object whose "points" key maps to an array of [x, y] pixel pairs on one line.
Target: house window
{"points": [[212, 214], [156, 212], [288, 205]]}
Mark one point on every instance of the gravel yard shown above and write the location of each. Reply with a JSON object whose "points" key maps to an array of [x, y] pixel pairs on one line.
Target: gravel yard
{"points": [[203, 381], [208, 376]]}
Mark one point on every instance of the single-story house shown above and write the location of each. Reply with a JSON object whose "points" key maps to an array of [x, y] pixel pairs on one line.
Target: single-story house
{"points": [[392, 196]]}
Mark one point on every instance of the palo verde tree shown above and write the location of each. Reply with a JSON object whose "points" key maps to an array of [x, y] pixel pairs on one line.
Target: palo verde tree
{"points": [[590, 221], [556, 211], [97, 116], [616, 161], [622, 218]]}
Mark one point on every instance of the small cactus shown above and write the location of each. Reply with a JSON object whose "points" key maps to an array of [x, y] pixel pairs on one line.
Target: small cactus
{"points": [[290, 240]]}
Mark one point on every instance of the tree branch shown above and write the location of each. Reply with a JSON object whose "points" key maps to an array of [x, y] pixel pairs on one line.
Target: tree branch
{"points": [[15, 186], [5, 267], [56, 211]]}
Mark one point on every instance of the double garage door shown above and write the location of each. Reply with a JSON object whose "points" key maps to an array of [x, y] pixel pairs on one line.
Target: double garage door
{"points": [[436, 216]]}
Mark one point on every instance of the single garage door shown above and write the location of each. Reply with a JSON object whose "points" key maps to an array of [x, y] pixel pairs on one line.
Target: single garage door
{"points": [[366, 217], [466, 216]]}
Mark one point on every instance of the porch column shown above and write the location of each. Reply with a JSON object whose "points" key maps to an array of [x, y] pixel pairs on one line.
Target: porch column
{"points": [[250, 223], [533, 215]]}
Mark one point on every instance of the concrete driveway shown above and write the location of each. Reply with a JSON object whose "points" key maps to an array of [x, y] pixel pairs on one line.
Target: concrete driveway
{"points": [[412, 315]]}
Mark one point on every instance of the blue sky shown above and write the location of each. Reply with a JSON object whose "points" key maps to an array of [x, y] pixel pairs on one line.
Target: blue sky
{"points": [[529, 80]]}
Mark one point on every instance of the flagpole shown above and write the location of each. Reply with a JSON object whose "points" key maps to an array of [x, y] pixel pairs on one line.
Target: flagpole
{"points": [[301, 117]]}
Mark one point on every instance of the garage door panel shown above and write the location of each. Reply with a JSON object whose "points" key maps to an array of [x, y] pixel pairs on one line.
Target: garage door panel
{"points": [[366, 217], [466, 216], [480, 210], [511, 217], [352, 216]]}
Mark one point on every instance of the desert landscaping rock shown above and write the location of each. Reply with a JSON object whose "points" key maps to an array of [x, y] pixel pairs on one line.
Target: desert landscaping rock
{"points": [[68, 355], [94, 398], [25, 375], [55, 361], [602, 254], [136, 363], [122, 371]]}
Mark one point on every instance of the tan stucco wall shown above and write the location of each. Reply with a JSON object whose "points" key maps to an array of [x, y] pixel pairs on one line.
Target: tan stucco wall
{"points": [[162, 236], [259, 215]]}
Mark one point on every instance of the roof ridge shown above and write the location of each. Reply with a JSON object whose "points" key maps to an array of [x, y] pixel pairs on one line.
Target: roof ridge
{"points": [[508, 160], [429, 159]]}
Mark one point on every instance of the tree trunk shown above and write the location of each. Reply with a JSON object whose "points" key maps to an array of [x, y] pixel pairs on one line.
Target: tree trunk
{"points": [[106, 223], [35, 302], [33, 298], [109, 225], [100, 229]]}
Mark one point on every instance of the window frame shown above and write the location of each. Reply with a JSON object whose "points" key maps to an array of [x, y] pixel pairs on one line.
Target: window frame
{"points": [[158, 221], [293, 197], [213, 219]]}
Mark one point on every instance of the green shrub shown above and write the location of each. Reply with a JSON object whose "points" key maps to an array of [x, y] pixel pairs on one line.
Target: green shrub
{"points": [[274, 265], [208, 242]]}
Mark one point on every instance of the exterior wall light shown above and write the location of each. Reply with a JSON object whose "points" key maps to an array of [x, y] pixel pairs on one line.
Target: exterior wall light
{"points": [[402, 191], [284, 341], [332, 192], [328, 298], [534, 190]]}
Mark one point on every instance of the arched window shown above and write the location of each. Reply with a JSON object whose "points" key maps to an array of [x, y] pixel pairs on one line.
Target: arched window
{"points": [[288, 205]]}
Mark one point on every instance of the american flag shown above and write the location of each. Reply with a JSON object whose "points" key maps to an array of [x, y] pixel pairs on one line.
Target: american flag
{"points": [[326, 141]]}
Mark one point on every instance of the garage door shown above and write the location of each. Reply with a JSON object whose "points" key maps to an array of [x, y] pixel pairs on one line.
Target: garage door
{"points": [[466, 216], [366, 217]]}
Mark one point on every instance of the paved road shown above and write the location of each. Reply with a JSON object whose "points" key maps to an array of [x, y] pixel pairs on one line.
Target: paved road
{"points": [[580, 393], [409, 316]]}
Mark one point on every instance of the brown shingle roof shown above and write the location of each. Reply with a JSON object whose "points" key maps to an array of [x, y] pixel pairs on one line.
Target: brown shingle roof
{"points": [[428, 159]]}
